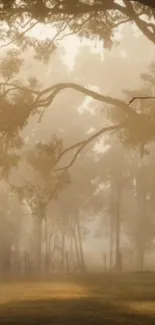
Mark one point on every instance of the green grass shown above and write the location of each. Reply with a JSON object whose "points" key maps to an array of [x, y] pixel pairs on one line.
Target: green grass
{"points": [[93, 299]]}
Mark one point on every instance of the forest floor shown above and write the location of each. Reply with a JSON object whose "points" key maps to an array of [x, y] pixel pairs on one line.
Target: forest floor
{"points": [[88, 300]]}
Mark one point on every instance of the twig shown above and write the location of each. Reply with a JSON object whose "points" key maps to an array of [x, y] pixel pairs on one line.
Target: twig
{"points": [[16, 38], [140, 97], [77, 29]]}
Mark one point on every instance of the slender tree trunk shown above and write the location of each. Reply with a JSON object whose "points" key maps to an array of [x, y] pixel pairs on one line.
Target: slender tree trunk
{"points": [[6, 259], [141, 196], [82, 262], [111, 233], [46, 247], [117, 233], [71, 247], [118, 228], [141, 244], [76, 245], [67, 262], [63, 249], [38, 244], [140, 257], [111, 244]]}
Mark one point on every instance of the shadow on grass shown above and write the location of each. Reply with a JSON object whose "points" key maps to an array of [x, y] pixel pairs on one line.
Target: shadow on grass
{"points": [[122, 288], [85, 311], [83, 300]]}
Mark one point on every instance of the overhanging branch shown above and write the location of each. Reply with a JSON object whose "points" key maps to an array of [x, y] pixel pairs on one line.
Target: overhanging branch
{"points": [[81, 146], [56, 89]]}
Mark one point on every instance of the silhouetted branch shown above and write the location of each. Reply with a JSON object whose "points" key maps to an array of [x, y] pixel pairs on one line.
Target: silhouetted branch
{"points": [[45, 97], [140, 97], [149, 3], [93, 137], [74, 146], [82, 146], [141, 24], [57, 88]]}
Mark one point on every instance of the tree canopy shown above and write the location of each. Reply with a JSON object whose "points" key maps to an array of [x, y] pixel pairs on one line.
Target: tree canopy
{"points": [[86, 18]]}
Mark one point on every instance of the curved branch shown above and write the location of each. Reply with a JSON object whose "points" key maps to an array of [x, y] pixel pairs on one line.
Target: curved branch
{"points": [[90, 139], [82, 146], [57, 88], [74, 146]]}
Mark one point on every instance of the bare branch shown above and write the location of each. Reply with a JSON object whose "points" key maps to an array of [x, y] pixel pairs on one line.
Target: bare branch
{"points": [[93, 137], [82, 146], [57, 88], [74, 146], [140, 97]]}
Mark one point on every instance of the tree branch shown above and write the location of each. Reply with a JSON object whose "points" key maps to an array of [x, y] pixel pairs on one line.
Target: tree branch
{"points": [[18, 37], [140, 97], [68, 9], [14, 87], [148, 3], [57, 88], [141, 24], [82, 145]]}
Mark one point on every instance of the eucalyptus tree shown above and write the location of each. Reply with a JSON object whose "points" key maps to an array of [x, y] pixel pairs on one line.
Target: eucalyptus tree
{"points": [[41, 184]]}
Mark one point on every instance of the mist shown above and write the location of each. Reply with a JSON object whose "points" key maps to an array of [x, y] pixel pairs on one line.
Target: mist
{"points": [[77, 132]]}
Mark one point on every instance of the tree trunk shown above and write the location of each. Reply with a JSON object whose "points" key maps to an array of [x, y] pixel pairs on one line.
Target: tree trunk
{"points": [[141, 227], [82, 262], [117, 229], [76, 245], [38, 245], [67, 263], [6, 259], [140, 258], [46, 247], [141, 240], [111, 243], [63, 251], [111, 232]]}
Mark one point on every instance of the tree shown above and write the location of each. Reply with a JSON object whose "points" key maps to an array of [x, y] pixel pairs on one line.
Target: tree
{"points": [[41, 185], [89, 21], [87, 18]]}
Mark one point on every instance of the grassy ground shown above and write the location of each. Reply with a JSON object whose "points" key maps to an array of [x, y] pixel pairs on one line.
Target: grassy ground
{"points": [[93, 299]]}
